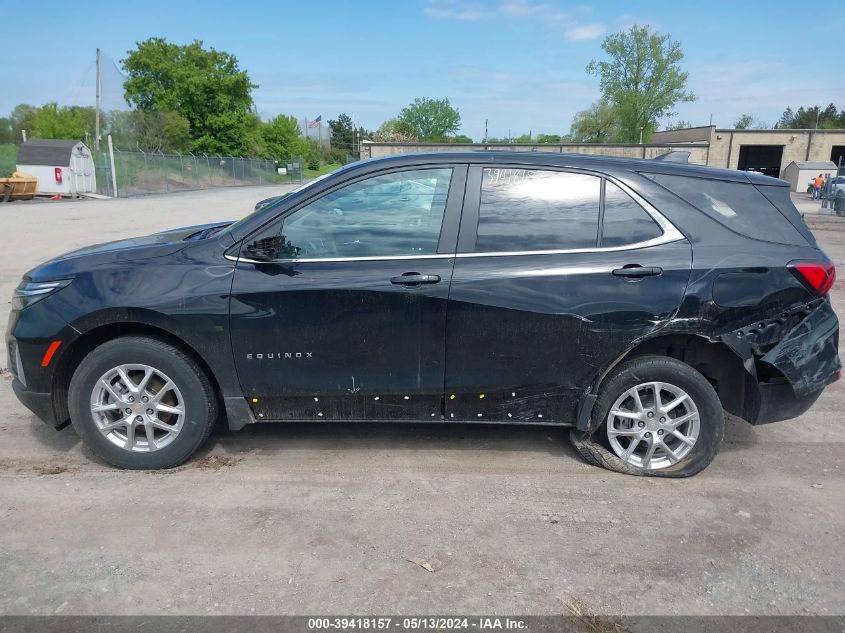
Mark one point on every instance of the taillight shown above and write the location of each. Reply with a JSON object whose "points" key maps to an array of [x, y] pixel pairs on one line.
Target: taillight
{"points": [[818, 275]]}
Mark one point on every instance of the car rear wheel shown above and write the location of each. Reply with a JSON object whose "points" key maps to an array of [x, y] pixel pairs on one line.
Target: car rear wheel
{"points": [[658, 416], [141, 403]]}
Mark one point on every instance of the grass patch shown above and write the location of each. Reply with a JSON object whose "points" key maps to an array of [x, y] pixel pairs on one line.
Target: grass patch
{"points": [[324, 169], [8, 159]]}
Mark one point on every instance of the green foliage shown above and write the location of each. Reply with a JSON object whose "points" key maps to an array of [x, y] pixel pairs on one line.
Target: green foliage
{"points": [[52, 121], [313, 162], [344, 133], [394, 131], [460, 138], [429, 119], [679, 124], [811, 117], [8, 159], [749, 122], [337, 155], [156, 131], [19, 119], [642, 79], [319, 170], [7, 133], [205, 86], [600, 123], [282, 139], [548, 138]]}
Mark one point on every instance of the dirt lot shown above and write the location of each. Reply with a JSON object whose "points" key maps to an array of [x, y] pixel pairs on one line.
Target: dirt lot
{"points": [[297, 519]]}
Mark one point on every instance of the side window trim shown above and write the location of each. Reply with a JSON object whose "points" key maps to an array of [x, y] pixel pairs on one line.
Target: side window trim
{"points": [[448, 230], [452, 214], [602, 200], [472, 204]]}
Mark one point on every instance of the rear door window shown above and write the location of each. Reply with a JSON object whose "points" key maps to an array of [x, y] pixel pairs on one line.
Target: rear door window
{"points": [[625, 221], [535, 210], [738, 206]]}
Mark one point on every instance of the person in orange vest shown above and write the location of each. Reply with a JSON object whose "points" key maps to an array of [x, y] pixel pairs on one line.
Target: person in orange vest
{"points": [[818, 183]]}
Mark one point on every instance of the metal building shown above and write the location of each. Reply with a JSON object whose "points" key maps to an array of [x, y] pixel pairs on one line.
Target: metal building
{"points": [[64, 167], [765, 151]]}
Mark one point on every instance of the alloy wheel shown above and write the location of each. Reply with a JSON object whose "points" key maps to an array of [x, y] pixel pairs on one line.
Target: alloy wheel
{"points": [[137, 407], [653, 425]]}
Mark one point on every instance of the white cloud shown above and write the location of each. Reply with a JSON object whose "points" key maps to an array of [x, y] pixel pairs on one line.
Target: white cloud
{"points": [[543, 12], [584, 32]]}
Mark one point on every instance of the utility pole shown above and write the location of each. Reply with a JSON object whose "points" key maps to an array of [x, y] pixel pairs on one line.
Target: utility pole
{"points": [[485, 130], [97, 108]]}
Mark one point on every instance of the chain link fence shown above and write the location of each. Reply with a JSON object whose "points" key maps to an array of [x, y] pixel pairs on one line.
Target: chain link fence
{"points": [[140, 173]]}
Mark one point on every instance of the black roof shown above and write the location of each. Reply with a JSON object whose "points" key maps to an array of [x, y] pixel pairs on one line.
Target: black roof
{"points": [[40, 151], [583, 161]]}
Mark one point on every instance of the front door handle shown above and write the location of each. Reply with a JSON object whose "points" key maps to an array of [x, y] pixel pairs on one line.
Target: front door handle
{"points": [[414, 279], [636, 271]]}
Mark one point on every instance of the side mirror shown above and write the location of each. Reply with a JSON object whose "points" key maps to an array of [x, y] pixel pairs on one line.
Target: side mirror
{"points": [[265, 250], [270, 249]]}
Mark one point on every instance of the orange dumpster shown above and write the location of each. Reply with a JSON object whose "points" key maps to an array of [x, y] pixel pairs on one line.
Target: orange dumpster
{"points": [[20, 186]]}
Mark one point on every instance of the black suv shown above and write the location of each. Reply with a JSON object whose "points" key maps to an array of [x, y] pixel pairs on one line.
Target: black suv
{"points": [[633, 301]]}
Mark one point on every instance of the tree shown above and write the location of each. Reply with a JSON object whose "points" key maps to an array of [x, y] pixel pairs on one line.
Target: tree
{"points": [[205, 86], [811, 117], [679, 124], [394, 131], [21, 119], [430, 119], [749, 122], [282, 138], [460, 138], [343, 132], [66, 122], [548, 138], [642, 80], [157, 131], [597, 124]]}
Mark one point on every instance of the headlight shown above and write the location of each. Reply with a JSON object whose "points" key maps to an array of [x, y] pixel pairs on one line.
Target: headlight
{"points": [[28, 292]]}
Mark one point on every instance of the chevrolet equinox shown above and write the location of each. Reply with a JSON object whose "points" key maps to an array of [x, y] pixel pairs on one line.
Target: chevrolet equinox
{"points": [[633, 301]]}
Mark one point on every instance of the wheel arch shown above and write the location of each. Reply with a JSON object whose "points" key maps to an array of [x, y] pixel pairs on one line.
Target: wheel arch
{"points": [[102, 332], [716, 361]]}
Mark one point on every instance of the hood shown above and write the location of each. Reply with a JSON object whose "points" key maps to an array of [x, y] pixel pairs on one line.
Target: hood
{"points": [[133, 248]]}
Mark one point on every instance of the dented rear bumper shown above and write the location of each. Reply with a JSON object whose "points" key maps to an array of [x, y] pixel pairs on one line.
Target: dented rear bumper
{"points": [[807, 358]]}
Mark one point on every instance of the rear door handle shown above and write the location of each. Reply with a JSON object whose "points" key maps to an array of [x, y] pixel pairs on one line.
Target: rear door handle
{"points": [[636, 271], [414, 279]]}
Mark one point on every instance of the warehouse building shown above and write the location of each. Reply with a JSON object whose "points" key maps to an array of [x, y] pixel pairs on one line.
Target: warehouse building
{"points": [[765, 151]]}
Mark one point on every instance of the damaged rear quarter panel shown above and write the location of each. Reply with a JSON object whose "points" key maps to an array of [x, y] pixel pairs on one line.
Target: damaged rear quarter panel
{"points": [[808, 354]]}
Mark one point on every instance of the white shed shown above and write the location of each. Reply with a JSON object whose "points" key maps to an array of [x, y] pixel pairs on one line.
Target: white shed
{"points": [[65, 167], [799, 173]]}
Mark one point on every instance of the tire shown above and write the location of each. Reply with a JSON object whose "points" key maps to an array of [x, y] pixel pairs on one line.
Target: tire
{"points": [[172, 410], [698, 418]]}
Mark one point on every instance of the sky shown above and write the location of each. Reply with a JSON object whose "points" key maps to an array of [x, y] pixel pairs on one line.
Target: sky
{"points": [[520, 64]]}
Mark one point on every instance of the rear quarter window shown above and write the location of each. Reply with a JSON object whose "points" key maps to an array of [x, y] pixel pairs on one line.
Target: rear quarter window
{"points": [[738, 206], [625, 221]]}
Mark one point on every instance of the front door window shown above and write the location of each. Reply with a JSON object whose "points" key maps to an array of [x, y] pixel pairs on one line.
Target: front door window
{"points": [[393, 215]]}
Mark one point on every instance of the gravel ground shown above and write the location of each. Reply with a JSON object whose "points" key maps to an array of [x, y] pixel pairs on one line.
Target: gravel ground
{"points": [[341, 519]]}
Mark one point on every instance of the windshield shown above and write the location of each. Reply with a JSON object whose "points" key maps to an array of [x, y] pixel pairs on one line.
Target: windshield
{"points": [[270, 206]]}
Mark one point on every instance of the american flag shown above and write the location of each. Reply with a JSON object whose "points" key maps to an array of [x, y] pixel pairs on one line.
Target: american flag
{"points": [[316, 122]]}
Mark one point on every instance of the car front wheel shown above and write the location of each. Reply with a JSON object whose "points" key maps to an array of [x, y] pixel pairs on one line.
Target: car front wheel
{"points": [[141, 403]]}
